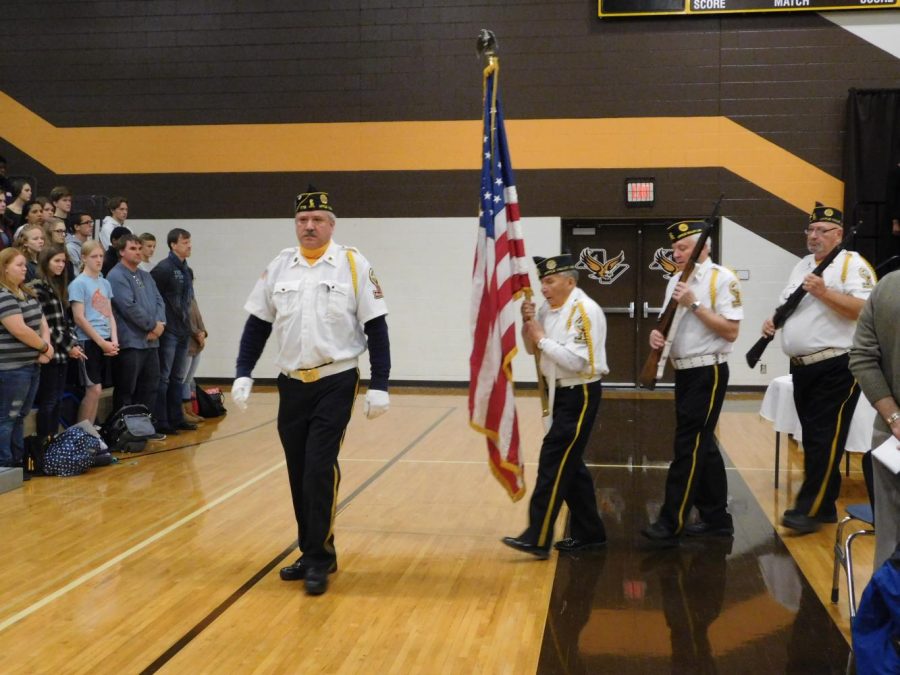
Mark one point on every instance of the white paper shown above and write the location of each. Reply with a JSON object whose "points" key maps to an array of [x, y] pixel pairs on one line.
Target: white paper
{"points": [[888, 453]]}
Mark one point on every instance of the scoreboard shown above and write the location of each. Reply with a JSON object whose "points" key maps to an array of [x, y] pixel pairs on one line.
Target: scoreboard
{"points": [[615, 8]]}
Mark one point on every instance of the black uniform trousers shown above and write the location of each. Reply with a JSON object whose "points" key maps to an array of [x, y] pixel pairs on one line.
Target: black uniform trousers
{"points": [[312, 420], [825, 395], [696, 475], [562, 475]]}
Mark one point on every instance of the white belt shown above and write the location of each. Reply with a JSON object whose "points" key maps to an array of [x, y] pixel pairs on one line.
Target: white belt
{"points": [[815, 357], [699, 361], [574, 381], [313, 374]]}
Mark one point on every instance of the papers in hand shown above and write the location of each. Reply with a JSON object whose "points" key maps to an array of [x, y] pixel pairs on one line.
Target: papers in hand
{"points": [[888, 453]]}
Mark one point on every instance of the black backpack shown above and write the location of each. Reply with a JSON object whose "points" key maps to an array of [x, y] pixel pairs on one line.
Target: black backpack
{"points": [[128, 429]]}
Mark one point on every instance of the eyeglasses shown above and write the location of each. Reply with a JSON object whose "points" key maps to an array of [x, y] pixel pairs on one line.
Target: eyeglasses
{"points": [[818, 230], [87, 222]]}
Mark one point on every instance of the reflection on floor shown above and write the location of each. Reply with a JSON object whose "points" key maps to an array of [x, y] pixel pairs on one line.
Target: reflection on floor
{"points": [[719, 605]]}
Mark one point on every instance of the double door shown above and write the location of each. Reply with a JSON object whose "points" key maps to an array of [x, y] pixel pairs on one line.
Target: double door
{"points": [[625, 266]]}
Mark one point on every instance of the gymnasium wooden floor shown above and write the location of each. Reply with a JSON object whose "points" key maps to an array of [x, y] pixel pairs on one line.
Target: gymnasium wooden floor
{"points": [[168, 561]]}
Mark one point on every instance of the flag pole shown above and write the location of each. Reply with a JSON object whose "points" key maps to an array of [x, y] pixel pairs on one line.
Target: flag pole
{"points": [[487, 49]]}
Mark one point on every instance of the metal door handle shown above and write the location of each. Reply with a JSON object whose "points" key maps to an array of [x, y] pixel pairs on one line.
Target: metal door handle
{"points": [[621, 310], [647, 309]]}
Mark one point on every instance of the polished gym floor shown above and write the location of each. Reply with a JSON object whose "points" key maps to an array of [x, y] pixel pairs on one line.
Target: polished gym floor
{"points": [[168, 560]]}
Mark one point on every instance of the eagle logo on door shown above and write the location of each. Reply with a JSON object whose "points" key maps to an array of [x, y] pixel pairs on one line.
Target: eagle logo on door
{"points": [[604, 271], [664, 260]]}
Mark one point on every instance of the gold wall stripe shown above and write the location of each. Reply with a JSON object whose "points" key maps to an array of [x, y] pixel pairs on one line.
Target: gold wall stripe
{"points": [[617, 143]]}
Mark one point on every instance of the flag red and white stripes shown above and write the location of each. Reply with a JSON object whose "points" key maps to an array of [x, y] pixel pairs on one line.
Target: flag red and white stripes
{"points": [[499, 277]]}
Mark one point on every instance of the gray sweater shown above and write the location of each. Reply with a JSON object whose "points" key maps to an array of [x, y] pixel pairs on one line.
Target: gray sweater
{"points": [[875, 356], [137, 306]]}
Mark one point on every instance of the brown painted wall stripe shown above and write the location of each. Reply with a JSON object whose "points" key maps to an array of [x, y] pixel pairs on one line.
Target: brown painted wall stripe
{"points": [[423, 146]]}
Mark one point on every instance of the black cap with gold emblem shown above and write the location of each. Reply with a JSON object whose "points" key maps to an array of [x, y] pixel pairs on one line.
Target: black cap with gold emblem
{"points": [[554, 265], [826, 214], [685, 228], [312, 200]]}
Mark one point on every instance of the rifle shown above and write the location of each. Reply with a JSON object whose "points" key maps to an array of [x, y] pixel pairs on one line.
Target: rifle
{"points": [[784, 311], [655, 364]]}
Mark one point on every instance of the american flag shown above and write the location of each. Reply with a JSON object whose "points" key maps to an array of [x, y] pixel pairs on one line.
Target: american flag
{"points": [[500, 276]]}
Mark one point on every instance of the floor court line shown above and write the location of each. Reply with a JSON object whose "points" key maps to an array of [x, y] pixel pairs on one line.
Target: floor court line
{"points": [[84, 578], [201, 625]]}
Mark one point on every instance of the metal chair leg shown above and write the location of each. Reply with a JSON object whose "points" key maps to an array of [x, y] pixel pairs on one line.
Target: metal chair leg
{"points": [[838, 558], [777, 456], [848, 556]]}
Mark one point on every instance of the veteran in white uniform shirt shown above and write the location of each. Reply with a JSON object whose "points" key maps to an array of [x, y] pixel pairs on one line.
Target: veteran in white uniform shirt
{"points": [[817, 337], [569, 330], [707, 325], [324, 304]]}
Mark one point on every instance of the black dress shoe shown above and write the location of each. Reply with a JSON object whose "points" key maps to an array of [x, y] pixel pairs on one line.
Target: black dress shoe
{"points": [[526, 547], [187, 426], [819, 518], [660, 534], [297, 571], [316, 580], [166, 431], [799, 522], [701, 529], [572, 545]]}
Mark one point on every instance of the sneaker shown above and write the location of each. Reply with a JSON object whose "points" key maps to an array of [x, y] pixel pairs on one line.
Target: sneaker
{"points": [[156, 436]]}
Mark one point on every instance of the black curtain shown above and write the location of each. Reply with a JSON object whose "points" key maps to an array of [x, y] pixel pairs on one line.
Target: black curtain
{"points": [[872, 171]]}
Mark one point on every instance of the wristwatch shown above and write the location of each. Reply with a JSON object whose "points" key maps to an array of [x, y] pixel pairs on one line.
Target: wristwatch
{"points": [[695, 305], [893, 418]]}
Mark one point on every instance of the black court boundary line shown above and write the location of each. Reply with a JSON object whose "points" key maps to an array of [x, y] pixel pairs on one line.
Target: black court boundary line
{"points": [[122, 456], [752, 504], [206, 621], [805, 580]]}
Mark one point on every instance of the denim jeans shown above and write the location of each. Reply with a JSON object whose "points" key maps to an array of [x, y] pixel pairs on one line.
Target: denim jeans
{"points": [[136, 378], [189, 369], [52, 387], [17, 390], [172, 352]]}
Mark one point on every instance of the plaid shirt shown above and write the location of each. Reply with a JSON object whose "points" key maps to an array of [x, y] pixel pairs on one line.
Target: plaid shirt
{"points": [[62, 329]]}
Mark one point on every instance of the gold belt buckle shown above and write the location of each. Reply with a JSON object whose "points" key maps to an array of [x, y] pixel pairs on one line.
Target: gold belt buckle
{"points": [[308, 376]]}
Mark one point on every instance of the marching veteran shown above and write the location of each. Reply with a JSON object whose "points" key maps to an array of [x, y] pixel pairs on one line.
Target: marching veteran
{"points": [[325, 305], [569, 331], [817, 337], [710, 315]]}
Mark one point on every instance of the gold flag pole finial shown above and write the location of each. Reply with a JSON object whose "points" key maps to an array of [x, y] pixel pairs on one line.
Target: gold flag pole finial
{"points": [[486, 45]]}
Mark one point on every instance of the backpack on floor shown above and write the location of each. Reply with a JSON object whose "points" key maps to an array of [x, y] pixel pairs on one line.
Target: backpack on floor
{"points": [[70, 453], [128, 429]]}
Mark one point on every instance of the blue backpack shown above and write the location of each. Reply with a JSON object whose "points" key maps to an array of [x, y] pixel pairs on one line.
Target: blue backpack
{"points": [[876, 627], [71, 453]]}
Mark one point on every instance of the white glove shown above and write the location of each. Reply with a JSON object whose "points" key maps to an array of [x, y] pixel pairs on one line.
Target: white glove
{"points": [[240, 391], [377, 403]]}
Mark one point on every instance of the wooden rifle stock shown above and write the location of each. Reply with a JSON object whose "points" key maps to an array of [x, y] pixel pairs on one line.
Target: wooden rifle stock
{"points": [[784, 311], [664, 324]]}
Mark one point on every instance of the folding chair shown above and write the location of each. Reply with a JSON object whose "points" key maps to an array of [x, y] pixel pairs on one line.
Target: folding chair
{"points": [[843, 550]]}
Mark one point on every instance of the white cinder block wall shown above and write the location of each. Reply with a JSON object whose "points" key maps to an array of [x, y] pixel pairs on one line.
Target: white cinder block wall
{"points": [[425, 266]]}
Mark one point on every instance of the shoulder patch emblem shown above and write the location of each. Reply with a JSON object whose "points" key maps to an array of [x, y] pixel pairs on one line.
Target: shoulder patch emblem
{"points": [[866, 275], [376, 292], [735, 289]]}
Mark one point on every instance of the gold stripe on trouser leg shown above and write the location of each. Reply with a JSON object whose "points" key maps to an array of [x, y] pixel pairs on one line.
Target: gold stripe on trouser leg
{"points": [[831, 455], [687, 488], [562, 464], [337, 473]]}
